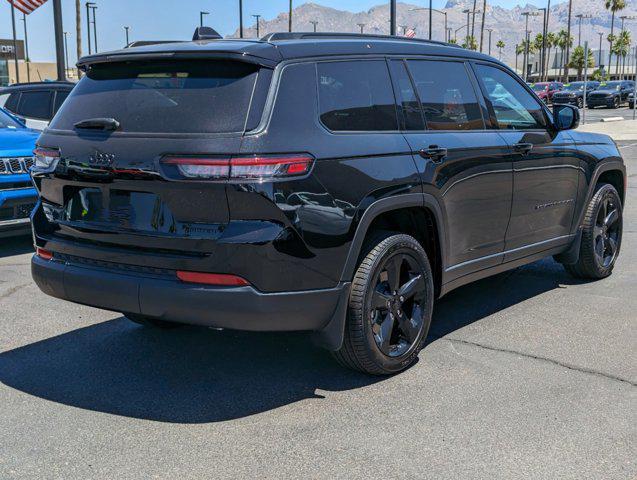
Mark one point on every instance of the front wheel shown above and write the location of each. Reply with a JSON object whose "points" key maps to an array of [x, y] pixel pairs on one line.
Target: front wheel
{"points": [[390, 307], [615, 103], [601, 235], [580, 103]]}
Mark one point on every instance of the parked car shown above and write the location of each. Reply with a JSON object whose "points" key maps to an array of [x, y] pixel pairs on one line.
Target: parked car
{"points": [[17, 195], [546, 90], [611, 94], [573, 93], [36, 102], [334, 183]]}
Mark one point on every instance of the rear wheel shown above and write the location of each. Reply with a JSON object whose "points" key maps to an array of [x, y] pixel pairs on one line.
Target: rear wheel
{"points": [[615, 103], [580, 103], [151, 322], [601, 235], [390, 307]]}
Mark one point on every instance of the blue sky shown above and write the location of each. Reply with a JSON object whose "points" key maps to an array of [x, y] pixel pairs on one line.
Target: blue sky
{"points": [[160, 19]]}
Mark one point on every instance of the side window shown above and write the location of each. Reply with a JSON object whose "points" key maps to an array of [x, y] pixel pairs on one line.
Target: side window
{"points": [[36, 104], [356, 96], [447, 96], [407, 99], [60, 96], [513, 106], [12, 102]]}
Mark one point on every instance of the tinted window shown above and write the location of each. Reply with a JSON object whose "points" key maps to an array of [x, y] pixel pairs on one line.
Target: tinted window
{"points": [[410, 106], [514, 107], [446, 94], [6, 121], [356, 96], [164, 96], [12, 102], [60, 96], [35, 104]]}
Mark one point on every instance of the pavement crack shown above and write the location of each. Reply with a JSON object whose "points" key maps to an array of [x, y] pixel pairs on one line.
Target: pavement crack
{"points": [[545, 359], [12, 290]]}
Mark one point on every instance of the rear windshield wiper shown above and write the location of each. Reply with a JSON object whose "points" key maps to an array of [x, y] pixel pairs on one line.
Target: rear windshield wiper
{"points": [[98, 124]]}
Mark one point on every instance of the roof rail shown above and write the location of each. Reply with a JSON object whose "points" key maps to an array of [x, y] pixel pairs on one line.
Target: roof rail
{"points": [[277, 36]]}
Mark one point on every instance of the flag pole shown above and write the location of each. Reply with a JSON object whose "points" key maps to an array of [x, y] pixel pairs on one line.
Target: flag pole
{"points": [[15, 44], [59, 39]]}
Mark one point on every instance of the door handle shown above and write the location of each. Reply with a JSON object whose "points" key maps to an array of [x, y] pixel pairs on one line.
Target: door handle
{"points": [[433, 153], [523, 147]]}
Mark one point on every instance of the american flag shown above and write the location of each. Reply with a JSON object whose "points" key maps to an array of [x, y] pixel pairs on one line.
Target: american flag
{"points": [[411, 33], [27, 6]]}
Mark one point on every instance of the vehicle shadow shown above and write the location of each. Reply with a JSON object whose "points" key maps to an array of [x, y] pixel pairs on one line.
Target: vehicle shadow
{"points": [[16, 246], [195, 375]]}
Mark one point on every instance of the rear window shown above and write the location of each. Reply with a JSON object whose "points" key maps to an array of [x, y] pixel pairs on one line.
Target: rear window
{"points": [[164, 97]]}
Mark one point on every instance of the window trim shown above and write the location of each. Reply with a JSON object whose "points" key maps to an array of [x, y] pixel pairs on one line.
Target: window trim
{"points": [[470, 75], [496, 126], [381, 58], [51, 98]]}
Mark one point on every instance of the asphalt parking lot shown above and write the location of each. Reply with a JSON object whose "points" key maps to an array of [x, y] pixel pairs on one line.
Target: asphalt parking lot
{"points": [[529, 374], [599, 113]]}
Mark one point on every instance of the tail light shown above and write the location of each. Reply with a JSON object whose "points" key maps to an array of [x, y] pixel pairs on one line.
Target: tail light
{"points": [[45, 159], [256, 168], [43, 254], [219, 279]]}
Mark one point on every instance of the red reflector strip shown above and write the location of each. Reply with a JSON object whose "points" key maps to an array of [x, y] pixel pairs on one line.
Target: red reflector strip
{"points": [[46, 152], [44, 254], [212, 279], [269, 160]]}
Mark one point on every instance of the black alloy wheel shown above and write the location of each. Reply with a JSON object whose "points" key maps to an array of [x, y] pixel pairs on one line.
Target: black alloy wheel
{"points": [[601, 235], [390, 306]]}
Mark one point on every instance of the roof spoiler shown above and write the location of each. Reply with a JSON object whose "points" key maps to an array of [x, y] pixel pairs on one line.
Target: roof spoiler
{"points": [[206, 33]]}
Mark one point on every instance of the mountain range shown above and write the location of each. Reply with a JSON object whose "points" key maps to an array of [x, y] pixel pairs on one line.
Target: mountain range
{"points": [[506, 24]]}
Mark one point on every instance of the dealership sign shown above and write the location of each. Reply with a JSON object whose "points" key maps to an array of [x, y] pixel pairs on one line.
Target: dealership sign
{"points": [[7, 50]]}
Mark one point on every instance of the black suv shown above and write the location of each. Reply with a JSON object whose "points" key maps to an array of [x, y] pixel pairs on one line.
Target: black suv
{"points": [[331, 183], [36, 102], [611, 94], [573, 93]]}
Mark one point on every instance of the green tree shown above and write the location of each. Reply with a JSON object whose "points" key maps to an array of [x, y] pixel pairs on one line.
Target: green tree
{"points": [[551, 41], [563, 40], [470, 43], [453, 40], [598, 76], [577, 60], [614, 6], [500, 45], [621, 48]]}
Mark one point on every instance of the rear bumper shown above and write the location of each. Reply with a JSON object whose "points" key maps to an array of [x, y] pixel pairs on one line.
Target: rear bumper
{"points": [[164, 297]]}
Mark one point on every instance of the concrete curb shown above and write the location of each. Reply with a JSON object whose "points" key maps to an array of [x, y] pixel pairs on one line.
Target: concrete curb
{"points": [[617, 130]]}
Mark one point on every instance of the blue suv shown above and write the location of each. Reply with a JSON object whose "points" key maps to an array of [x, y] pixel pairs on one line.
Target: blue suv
{"points": [[17, 195]]}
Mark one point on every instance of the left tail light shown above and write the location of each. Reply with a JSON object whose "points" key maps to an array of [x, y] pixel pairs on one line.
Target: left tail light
{"points": [[254, 168], [45, 159], [44, 254]]}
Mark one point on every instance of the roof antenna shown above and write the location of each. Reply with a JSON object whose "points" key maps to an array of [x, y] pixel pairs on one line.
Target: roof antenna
{"points": [[206, 33]]}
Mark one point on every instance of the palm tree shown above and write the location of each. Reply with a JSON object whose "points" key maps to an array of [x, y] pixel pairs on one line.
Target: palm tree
{"points": [[621, 49], [568, 43], [78, 31], [519, 50], [470, 43], [577, 60], [563, 42], [614, 6], [551, 41], [500, 45]]}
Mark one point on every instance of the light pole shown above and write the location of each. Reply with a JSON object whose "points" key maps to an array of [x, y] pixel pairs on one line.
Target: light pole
{"points": [[455, 32], [201, 15], [240, 18], [88, 24], [527, 14], [290, 18], [448, 34], [257, 17], [484, 12], [568, 41], [94, 8], [544, 32], [430, 19], [66, 51], [126, 29], [599, 61], [392, 17], [59, 39], [15, 44], [404, 27], [579, 17], [489, 30], [545, 66], [362, 26], [26, 47], [314, 24]]}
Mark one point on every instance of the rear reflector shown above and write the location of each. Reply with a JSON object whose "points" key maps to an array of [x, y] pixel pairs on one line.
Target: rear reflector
{"points": [[43, 254], [212, 279], [257, 167]]}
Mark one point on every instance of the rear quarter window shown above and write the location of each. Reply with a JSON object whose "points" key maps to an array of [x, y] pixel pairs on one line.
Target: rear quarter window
{"points": [[199, 96], [36, 104]]}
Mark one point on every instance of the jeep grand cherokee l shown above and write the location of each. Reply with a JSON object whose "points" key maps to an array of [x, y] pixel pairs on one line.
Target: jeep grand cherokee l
{"points": [[331, 183]]}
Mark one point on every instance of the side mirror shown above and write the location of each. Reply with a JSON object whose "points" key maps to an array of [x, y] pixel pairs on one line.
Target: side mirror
{"points": [[565, 117]]}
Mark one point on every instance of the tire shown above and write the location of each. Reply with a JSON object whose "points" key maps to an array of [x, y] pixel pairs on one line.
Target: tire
{"points": [[404, 319], [615, 103], [580, 103], [600, 233], [151, 322]]}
